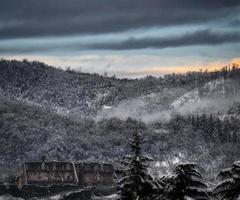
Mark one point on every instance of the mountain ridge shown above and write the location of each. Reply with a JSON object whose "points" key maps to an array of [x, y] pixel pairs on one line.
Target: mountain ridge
{"points": [[83, 95], [30, 127]]}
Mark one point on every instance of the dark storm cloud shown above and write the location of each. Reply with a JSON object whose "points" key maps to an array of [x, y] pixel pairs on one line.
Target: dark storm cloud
{"points": [[235, 23], [36, 18], [203, 37]]}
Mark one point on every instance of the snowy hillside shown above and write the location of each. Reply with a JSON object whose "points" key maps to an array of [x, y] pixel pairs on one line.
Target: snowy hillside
{"points": [[188, 98], [216, 89], [5, 197], [214, 97], [82, 95], [75, 116]]}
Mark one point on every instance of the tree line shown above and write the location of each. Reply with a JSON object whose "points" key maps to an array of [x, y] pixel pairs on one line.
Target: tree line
{"points": [[186, 181]]}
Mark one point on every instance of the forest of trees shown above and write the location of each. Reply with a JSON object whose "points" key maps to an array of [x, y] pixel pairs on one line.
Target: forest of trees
{"points": [[28, 132], [185, 181], [84, 94]]}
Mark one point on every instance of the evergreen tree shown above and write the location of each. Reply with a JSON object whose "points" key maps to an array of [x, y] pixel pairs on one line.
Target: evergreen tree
{"points": [[210, 128], [136, 182], [186, 182], [229, 187]]}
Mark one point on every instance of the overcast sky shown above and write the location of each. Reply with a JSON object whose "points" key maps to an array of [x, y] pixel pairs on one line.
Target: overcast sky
{"points": [[129, 38]]}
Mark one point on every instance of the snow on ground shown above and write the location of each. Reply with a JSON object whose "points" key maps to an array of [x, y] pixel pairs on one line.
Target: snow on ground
{"points": [[110, 197], [8, 197], [57, 197], [211, 98], [215, 88], [209, 90], [105, 107], [187, 98]]}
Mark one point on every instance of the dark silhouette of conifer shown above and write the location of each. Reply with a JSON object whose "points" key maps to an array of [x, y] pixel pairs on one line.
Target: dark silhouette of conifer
{"points": [[229, 187], [136, 182], [185, 182]]}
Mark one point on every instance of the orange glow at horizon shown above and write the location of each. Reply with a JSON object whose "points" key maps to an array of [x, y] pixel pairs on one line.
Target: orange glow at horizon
{"points": [[181, 69], [134, 72]]}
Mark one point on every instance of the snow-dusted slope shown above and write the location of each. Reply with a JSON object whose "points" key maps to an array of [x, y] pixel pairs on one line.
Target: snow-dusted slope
{"points": [[8, 197], [110, 197], [213, 97], [146, 107], [213, 89], [188, 98]]}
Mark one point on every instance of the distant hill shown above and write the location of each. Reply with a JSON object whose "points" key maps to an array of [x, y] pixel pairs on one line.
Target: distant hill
{"points": [[67, 115], [213, 97], [27, 132], [83, 95]]}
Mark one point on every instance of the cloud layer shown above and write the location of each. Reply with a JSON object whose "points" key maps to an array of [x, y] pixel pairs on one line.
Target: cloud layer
{"points": [[31, 18], [203, 37]]}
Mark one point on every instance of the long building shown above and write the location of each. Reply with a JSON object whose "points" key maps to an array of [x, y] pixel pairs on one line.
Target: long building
{"points": [[54, 173]]}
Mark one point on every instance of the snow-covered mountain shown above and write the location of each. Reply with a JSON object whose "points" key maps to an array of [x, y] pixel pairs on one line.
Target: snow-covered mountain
{"points": [[77, 116], [82, 95]]}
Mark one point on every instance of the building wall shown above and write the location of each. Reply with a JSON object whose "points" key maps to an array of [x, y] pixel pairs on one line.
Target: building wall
{"points": [[50, 176], [44, 173], [95, 174], [85, 174], [106, 178], [89, 178]]}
